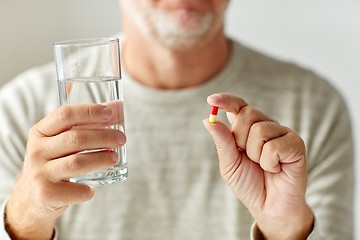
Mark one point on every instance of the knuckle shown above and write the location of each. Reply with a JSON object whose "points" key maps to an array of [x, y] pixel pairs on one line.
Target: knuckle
{"points": [[259, 129], [267, 165], [34, 147], [250, 114], [270, 148], [297, 140], [63, 114], [270, 156], [75, 138], [90, 112], [93, 110], [109, 136], [33, 131], [33, 153], [75, 163]]}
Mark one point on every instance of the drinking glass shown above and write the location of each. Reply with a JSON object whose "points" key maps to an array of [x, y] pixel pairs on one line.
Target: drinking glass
{"points": [[88, 71]]}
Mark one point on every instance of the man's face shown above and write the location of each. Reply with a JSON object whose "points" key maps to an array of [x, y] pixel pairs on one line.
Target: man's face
{"points": [[178, 24]]}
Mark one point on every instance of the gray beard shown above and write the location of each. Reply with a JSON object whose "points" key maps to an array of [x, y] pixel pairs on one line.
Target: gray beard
{"points": [[165, 29]]}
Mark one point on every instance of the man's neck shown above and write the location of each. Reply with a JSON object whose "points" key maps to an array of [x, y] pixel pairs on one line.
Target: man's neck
{"points": [[160, 67]]}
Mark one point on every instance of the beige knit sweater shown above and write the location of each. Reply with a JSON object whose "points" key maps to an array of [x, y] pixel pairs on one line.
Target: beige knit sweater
{"points": [[174, 190]]}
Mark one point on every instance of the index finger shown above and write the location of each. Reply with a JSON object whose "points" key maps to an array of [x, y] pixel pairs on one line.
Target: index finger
{"points": [[117, 117], [227, 102], [68, 116]]}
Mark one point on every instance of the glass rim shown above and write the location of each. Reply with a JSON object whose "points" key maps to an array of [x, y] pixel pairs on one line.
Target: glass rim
{"points": [[85, 42]]}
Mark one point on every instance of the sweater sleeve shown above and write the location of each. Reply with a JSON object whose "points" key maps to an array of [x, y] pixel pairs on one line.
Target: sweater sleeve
{"points": [[20, 109], [331, 170], [3, 233], [255, 233], [13, 135], [323, 121]]}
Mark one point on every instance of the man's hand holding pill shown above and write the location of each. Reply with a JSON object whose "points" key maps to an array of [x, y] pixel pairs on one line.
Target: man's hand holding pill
{"points": [[264, 164]]}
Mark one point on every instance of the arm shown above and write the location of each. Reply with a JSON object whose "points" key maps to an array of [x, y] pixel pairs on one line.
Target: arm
{"points": [[330, 191], [264, 165], [43, 192]]}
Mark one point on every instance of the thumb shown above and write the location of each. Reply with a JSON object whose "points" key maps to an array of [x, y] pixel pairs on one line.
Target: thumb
{"points": [[226, 147]]}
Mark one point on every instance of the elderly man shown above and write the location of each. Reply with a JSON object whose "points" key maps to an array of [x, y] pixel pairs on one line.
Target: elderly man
{"points": [[257, 180]]}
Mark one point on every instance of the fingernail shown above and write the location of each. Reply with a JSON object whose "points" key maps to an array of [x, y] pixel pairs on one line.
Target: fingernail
{"points": [[106, 112], [115, 157], [215, 97], [120, 138]]}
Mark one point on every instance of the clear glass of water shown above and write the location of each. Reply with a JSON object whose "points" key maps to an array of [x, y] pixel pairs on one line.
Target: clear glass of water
{"points": [[88, 71]]}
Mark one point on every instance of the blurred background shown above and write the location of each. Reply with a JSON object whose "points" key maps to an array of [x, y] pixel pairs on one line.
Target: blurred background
{"points": [[322, 35]]}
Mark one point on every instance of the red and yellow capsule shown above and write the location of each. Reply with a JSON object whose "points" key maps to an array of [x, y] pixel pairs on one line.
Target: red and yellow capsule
{"points": [[213, 114]]}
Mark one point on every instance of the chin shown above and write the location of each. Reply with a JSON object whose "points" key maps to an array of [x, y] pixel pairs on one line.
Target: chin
{"points": [[180, 29]]}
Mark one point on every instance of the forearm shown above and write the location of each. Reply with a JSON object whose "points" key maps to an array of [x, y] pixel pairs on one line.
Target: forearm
{"points": [[296, 227], [22, 224]]}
